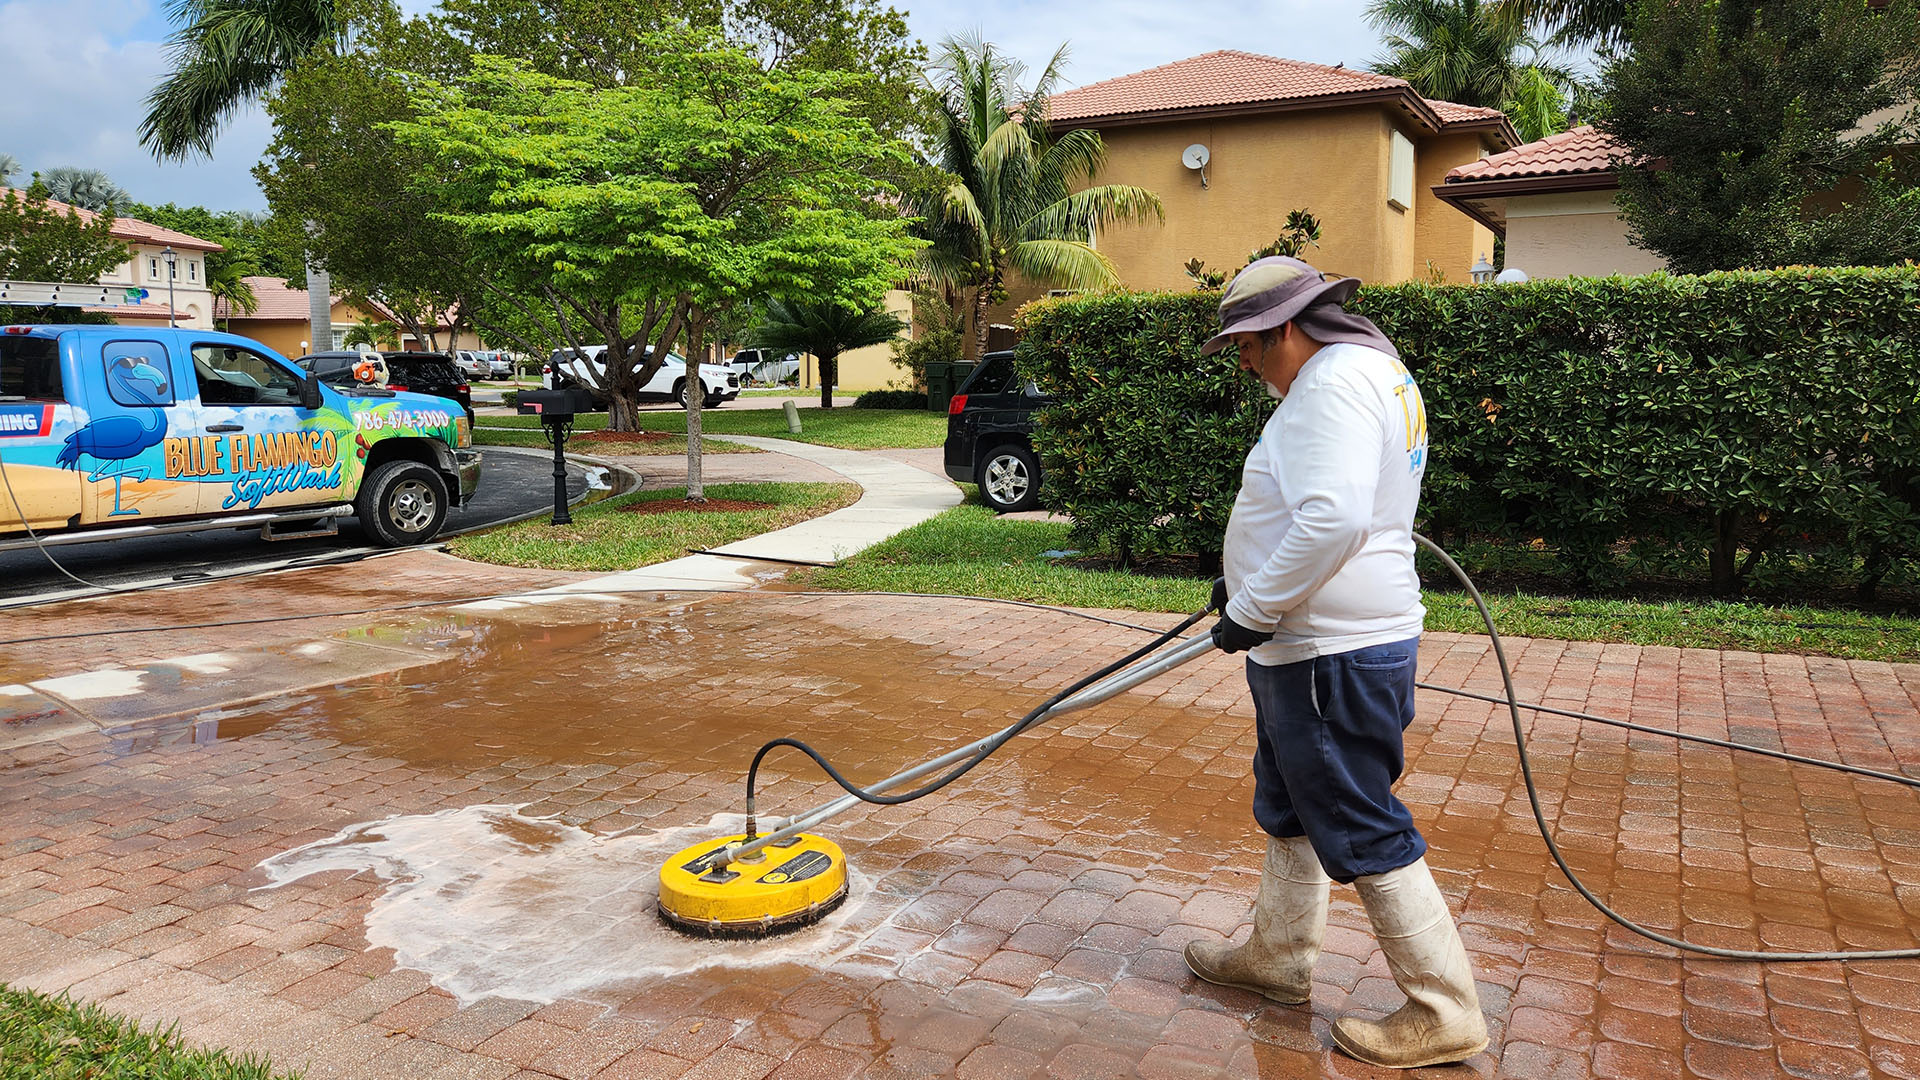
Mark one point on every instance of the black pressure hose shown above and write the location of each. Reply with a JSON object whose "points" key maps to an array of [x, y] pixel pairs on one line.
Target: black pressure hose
{"points": [[986, 751]]}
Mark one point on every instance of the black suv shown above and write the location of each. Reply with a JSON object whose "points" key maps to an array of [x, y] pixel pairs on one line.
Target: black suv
{"points": [[990, 435], [421, 372]]}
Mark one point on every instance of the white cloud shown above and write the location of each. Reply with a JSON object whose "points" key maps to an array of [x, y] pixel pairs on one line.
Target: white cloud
{"points": [[76, 93]]}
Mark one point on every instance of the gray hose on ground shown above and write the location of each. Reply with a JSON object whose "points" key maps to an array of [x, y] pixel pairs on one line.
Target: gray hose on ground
{"points": [[1512, 701]]}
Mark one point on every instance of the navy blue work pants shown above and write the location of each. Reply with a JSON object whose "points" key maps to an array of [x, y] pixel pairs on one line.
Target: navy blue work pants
{"points": [[1330, 751]]}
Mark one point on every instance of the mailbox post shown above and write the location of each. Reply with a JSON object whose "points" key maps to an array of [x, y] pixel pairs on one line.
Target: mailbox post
{"points": [[556, 409]]}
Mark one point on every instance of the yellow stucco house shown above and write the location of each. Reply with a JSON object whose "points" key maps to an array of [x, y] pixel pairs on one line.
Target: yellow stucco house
{"points": [[1232, 141]]}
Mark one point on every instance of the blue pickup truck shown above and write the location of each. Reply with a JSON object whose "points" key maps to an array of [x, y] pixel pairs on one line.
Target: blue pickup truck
{"points": [[109, 431]]}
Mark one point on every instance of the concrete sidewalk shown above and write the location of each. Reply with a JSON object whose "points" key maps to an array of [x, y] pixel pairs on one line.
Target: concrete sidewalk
{"points": [[896, 496]]}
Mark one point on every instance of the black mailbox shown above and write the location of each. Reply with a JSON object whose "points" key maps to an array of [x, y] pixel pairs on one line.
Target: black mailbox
{"points": [[555, 403], [556, 409]]}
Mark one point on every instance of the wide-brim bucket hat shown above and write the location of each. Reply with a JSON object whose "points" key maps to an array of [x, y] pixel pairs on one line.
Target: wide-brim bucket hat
{"points": [[1270, 292]]}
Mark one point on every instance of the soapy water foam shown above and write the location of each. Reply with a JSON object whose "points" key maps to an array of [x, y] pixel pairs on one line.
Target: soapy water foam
{"points": [[491, 903]]}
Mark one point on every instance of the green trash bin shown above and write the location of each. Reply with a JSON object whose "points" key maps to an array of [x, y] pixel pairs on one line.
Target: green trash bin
{"points": [[961, 369], [940, 384]]}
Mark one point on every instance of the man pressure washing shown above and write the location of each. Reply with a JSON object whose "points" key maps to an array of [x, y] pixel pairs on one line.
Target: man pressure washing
{"points": [[1321, 594]]}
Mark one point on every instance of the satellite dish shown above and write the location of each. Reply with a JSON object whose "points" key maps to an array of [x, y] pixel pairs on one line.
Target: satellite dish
{"points": [[1195, 156]]}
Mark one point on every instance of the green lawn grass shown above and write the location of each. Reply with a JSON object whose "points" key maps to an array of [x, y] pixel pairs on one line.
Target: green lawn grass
{"points": [[845, 427], [47, 1038], [483, 436], [603, 538], [971, 551]]}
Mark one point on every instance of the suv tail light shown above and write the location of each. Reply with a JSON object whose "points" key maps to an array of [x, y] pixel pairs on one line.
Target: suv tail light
{"points": [[958, 403], [396, 386]]}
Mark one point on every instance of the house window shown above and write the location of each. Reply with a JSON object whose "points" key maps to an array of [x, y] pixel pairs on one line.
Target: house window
{"points": [[153, 267], [193, 271], [1400, 173]]}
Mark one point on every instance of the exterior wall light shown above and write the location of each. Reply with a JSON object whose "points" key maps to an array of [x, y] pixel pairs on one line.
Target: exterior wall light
{"points": [[1482, 271]]}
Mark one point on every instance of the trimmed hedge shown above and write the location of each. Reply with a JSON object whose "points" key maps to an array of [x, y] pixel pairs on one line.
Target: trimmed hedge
{"points": [[891, 399], [1713, 426]]}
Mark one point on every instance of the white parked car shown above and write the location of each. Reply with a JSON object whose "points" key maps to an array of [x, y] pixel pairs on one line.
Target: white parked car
{"points": [[471, 364], [764, 367], [667, 384]]}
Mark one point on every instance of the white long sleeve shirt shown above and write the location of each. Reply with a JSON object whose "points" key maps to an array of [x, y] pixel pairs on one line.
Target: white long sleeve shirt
{"points": [[1320, 545]]}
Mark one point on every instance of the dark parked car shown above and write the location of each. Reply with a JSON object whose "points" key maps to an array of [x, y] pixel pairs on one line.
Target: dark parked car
{"points": [[990, 435], [421, 372]]}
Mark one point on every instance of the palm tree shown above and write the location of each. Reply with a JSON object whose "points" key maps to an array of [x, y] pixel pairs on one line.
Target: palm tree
{"points": [[9, 168], [1580, 22], [370, 332], [226, 53], [1012, 207], [826, 330], [89, 189], [1475, 52]]}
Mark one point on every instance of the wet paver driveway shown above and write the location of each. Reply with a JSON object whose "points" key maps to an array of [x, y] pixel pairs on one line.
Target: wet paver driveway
{"points": [[1027, 921]]}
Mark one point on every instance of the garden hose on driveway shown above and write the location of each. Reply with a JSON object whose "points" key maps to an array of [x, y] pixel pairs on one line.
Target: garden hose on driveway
{"points": [[695, 884]]}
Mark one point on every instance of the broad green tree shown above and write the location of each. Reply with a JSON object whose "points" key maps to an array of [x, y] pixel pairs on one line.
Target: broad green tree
{"points": [[1021, 198], [1474, 52], [39, 242], [1751, 111], [377, 235], [639, 211], [826, 329]]}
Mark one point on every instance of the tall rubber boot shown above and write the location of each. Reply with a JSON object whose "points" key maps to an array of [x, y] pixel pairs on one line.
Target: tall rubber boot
{"points": [[1441, 1021], [1289, 919]]}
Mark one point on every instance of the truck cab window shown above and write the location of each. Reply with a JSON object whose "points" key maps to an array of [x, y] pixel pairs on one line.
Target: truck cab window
{"points": [[30, 369], [231, 375]]}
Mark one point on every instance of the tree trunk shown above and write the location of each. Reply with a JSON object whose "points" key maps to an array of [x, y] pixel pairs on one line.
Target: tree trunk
{"points": [[1722, 558], [980, 296], [828, 370], [319, 308], [696, 398]]}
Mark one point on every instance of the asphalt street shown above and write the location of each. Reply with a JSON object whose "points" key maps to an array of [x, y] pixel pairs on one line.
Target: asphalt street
{"points": [[512, 483]]}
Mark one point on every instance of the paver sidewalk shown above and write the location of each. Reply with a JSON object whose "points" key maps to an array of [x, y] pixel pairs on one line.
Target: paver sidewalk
{"points": [[1029, 920]]}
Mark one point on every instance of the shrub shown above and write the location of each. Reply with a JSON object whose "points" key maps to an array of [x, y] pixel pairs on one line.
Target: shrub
{"points": [[891, 399], [939, 336], [510, 398], [1710, 423]]}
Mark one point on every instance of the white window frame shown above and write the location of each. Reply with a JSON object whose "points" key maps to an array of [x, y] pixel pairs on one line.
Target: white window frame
{"points": [[1399, 171], [153, 268]]}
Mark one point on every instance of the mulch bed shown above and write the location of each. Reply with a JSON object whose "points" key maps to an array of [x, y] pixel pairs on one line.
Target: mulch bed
{"points": [[677, 506]]}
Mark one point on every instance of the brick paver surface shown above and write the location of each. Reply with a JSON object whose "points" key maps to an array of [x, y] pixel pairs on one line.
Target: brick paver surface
{"points": [[1027, 921]]}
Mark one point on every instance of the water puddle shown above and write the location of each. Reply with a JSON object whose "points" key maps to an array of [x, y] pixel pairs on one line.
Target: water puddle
{"points": [[492, 903]]}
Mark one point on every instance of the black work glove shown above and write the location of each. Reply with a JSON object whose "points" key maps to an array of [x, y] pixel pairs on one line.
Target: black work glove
{"points": [[1231, 637], [1219, 601]]}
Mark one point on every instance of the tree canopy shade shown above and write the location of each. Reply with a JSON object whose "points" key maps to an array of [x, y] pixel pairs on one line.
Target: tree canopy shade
{"points": [[1474, 52], [1747, 113], [223, 54], [635, 211], [826, 329], [1013, 206]]}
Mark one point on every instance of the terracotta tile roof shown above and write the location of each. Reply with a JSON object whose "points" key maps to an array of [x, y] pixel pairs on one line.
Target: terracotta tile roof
{"points": [[1230, 78], [277, 301], [1455, 113], [1226, 77], [135, 231], [1570, 153]]}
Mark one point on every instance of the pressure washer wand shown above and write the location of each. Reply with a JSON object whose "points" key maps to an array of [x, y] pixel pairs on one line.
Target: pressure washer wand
{"points": [[1113, 685]]}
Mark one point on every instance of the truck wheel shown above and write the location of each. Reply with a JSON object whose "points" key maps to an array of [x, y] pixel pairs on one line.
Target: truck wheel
{"points": [[1009, 479], [401, 503]]}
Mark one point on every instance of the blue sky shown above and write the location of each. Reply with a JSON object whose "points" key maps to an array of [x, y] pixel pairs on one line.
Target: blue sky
{"points": [[79, 70]]}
